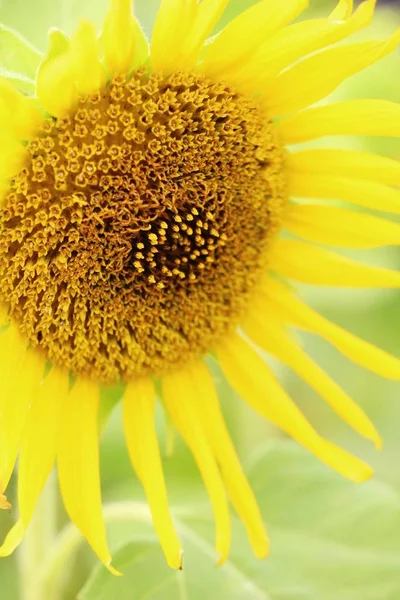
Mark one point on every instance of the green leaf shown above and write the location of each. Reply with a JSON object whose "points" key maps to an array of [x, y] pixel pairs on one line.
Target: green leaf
{"points": [[330, 539], [19, 60], [144, 576]]}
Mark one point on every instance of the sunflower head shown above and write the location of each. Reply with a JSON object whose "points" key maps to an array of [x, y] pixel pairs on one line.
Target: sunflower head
{"points": [[144, 194], [136, 231]]}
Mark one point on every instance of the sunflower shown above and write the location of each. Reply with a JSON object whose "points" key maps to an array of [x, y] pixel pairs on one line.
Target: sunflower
{"points": [[147, 223]]}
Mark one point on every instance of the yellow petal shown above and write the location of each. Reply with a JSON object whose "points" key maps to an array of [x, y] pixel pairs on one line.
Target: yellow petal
{"points": [[310, 264], [55, 80], [13, 156], [334, 226], [19, 113], [38, 451], [353, 117], [253, 381], [4, 503], [3, 316], [316, 77], [208, 410], [240, 39], [346, 163], [59, 43], [295, 312], [296, 41], [84, 55], [78, 465], [12, 356], [13, 539], [272, 337], [141, 438], [342, 11], [14, 409], [12, 353], [4, 188], [123, 39], [180, 30], [178, 391], [355, 191]]}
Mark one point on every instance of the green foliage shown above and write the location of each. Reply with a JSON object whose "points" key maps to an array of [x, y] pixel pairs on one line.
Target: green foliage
{"points": [[330, 539], [18, 59], [145, 575]]}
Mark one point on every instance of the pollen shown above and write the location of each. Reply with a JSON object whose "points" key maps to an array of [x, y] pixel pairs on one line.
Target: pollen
{"points": [[134, 236]]}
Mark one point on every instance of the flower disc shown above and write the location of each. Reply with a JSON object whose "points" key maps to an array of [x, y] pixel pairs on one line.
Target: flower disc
{"points": [[134, 236]]}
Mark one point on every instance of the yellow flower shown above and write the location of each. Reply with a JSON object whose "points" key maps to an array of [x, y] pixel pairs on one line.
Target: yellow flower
{"points": [[143, 198]]}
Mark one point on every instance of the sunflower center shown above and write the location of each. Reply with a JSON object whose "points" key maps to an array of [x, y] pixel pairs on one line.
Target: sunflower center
{"points": [[132, 240]]}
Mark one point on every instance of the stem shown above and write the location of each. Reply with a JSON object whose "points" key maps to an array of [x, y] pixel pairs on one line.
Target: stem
{"points": [[38, 539], [55, 571]]}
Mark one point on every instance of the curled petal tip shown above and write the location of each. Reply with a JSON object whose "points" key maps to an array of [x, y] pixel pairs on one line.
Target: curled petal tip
{"points": [[262, 550], [13, 539], [176, 561], [4, 503], [364, 476], [114, 571], [222, 560]]}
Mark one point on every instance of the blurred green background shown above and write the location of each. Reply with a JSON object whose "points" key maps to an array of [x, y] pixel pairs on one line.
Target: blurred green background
{"points": [[331, 540]]}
